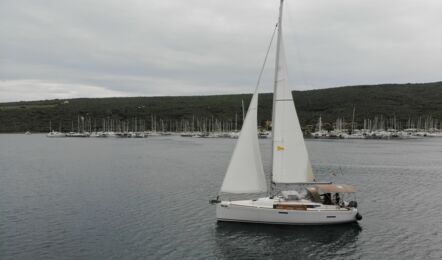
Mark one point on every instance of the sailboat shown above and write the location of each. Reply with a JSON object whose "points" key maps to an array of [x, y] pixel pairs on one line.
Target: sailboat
{"points": [[53, 133], [310, 202], [320, 133]]}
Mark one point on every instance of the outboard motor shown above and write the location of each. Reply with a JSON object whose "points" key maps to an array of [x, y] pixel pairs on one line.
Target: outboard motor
{"points": [[358, 216], [353, 204]]}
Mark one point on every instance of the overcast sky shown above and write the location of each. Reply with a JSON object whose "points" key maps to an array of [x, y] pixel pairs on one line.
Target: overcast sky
{"points": [[100, 48]]}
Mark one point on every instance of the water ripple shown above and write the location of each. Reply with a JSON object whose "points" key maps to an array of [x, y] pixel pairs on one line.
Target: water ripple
{"points": [[148, 199]]}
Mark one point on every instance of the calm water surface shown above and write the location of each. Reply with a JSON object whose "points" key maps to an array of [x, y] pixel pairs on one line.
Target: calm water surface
{"points": [[148, 198]]}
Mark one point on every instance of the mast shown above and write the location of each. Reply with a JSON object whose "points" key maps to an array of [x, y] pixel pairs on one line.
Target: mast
{"points": [[353, 120], [275, 85]]}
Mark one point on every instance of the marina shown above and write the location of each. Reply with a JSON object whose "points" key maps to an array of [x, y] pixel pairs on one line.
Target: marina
{"points": [[214, 128], [358, 134]]}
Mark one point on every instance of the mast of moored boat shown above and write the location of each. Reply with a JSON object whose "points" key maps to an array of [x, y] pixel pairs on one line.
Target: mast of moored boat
{"points": [[275, 85], [353, 120]]}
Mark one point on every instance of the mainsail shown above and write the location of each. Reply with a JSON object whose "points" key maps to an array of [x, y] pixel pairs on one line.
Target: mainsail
{"points": [[291, 163], [245, 173]]}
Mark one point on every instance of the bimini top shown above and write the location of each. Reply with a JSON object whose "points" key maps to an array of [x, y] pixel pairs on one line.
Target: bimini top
{"points": [[334, 188], [331, 188]]}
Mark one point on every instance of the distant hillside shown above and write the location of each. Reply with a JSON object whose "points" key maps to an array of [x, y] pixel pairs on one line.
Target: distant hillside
{"points": [[400, 100]]}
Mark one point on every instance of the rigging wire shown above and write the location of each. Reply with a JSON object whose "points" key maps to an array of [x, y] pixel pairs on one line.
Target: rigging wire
{"points": [[265, 59]]}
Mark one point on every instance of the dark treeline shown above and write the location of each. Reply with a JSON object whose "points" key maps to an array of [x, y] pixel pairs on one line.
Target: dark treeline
{"points": [[402, 101]]}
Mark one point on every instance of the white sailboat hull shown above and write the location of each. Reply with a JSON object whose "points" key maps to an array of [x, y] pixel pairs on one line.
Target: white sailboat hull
{"points": [[250, 211]]}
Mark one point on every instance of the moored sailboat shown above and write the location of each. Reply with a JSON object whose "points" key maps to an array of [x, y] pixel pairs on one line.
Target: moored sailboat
{"points": [[53, 133], [309, 202]]}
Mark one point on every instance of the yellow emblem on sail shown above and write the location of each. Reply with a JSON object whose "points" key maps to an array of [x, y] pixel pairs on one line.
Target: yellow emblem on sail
{"points": [[279, 148]]}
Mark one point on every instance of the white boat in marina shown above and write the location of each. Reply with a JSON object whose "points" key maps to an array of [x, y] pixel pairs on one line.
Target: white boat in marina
{"points": [[140, 135], [308, 201], [434, 134], [55, 134], [320, 133], [264, 134], [99, 134], [153, 133], [77, 134], [234, 134]]}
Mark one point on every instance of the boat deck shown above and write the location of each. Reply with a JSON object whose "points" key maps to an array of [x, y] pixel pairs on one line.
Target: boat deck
{"points": [[281, 204]]}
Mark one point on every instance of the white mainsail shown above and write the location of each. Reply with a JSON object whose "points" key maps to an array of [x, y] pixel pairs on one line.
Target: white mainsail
{"points": [[291, 163], [245, 173]]}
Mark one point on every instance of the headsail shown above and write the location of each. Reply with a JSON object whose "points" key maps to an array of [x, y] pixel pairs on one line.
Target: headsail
{"points": [[291, 163], [245, 173]]}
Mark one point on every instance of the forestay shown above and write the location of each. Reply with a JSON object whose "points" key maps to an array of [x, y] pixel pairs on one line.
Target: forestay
{"points": [[245, 173], [291, 163]]}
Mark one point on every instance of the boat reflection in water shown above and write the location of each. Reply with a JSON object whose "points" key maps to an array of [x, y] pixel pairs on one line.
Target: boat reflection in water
{"points": [[255, 241]]}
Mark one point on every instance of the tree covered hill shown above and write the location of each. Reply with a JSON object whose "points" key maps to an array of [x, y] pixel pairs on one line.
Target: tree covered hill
{"points": [[402, 101]]}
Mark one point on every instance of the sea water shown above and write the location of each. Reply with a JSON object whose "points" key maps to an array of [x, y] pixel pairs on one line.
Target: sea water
{"points": [[111, 198]]}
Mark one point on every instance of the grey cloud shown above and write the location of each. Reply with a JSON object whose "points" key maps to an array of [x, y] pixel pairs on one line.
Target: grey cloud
{"points": [[195, 47]]}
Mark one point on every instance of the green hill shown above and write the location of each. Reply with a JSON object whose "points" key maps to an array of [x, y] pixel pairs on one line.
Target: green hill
{"points": [[402, 101]]}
